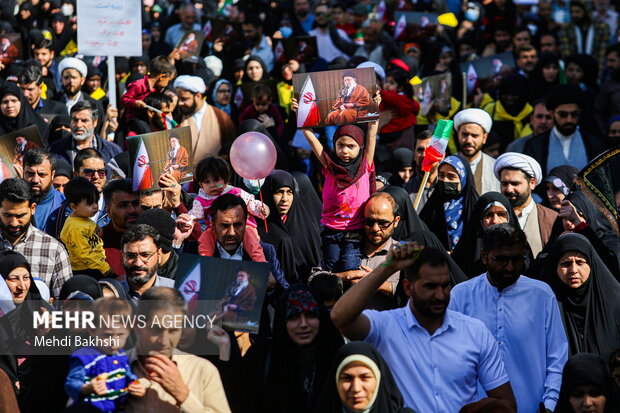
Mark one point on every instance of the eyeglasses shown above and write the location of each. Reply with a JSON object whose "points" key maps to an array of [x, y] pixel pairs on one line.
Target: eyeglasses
{"points": [[503, 259], [89, 173], [223, 91], [383, 224], [132, 256], [564, 114]]}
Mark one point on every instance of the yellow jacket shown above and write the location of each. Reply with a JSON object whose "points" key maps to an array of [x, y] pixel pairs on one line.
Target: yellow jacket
{"points": [[85, 247]]}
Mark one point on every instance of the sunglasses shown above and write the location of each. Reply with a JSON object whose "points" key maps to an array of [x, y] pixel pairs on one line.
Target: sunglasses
{"points": [[383, 224], [89, 173], [564, 114]]}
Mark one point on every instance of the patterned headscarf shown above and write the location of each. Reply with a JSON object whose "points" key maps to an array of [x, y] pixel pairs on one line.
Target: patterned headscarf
{"points": [[301, 301], [453, 209]]}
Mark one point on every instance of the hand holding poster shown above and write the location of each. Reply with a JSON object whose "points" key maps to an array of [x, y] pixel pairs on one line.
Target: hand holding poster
{"points": [[154, 154], [190, 45], [337, 97]]}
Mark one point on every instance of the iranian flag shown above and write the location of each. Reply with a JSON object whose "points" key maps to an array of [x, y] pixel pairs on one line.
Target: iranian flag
{"points": [[169, 123], [308, 114], [279, 52], [190, 288], [142, 174], [401, 25], [472, 78], [439, 142]]}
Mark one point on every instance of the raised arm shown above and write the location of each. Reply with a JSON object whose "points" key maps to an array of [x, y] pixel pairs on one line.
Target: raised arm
{"points": [[371, 136], [316, 146], [347, 312]]}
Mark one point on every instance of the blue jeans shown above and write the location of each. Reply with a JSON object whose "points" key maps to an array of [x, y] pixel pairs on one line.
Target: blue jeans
{"points": [[341, 250]]}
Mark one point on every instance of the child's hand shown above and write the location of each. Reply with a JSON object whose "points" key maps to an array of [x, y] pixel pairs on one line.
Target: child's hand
{"points": [[266, 120], [139, 104], [294, 105], [136, 389], [377, 97], [264, 210], [98, 384]]}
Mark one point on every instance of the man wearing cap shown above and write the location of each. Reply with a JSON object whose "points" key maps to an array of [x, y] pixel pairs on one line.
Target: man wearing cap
{"points": [[472, 128], [73, 73], [566, 143], [351, 102], [210, 126], [519, 174]]}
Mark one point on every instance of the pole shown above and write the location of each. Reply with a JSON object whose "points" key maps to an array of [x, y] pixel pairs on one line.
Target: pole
{"points": [[111, 83], [464, 75], [260, 193], [418, 197]]}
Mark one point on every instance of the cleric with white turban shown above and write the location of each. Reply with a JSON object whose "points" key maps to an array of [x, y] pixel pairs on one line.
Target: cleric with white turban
{"points": [[73, 63], [192, 84], [520, 161], [477, 116]]}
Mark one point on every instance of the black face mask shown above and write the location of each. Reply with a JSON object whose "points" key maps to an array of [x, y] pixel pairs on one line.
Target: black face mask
{"points": [[448, 190]]}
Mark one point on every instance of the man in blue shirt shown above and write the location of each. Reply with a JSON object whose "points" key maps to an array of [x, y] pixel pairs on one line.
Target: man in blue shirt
{"points": [[258, 44], [522, 314], [39, 169], [188, 16], [437, 356]]}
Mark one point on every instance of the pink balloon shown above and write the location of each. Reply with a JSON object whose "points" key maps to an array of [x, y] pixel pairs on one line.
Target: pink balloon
{"points": [[253, 155]]}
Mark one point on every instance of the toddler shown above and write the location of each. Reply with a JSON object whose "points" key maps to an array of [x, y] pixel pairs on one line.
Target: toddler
{"points": [[263, 110], [213, 176]]}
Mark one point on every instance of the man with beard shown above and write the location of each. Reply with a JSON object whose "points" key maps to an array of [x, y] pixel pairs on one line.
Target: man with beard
{"points": [[511, 113], [582, 34], [239, 299], [189, 21], [210, 126], [73, 74], [48, 258], [380, 219], [472, 127], [523, 316], [540, 122], [566, 143], [89, 164], [333, 43], [149, 120], [302, 20], [84, 120], [259, 45], [178, 158], [123, 208], [39, 170], [607, 103], [518, 175], [527, 57], [423, 139], [424, 339], [141, 252], [351, 103]]}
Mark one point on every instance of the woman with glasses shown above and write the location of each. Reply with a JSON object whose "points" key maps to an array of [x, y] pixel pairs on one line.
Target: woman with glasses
{"points": [[452, 201], [587, 294], [221, 95]]}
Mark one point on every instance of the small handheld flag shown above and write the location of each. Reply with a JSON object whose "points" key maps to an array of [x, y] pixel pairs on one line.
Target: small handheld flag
{"points": [[439, 142]]}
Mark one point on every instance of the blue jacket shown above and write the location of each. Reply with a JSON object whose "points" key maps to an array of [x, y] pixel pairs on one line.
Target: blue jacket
{"points": [[52, 200], [62, 149]]}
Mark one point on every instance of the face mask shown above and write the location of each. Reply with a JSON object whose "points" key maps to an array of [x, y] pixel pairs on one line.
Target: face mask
{"points": [[472, 15], [448, 190], [67, 9], [286, 31]]}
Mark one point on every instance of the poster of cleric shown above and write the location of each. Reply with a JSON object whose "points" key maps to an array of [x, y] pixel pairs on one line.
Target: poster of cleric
{"points": [[154, 154], [229, 290], [335, 97]]}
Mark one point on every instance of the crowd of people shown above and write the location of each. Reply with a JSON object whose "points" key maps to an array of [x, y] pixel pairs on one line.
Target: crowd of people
{"points": [[498, 292]]}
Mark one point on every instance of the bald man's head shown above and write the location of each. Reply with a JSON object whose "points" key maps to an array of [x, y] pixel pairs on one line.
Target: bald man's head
{"points": [[380, 218]]}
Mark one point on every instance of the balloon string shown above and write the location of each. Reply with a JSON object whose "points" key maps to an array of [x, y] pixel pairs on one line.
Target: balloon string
{"points": [[260, 192]]}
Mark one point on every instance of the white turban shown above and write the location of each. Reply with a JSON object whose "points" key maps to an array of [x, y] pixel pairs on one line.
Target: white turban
{"points": [[192, 84], [73, 63], [214, 64], [477, 116], [379, 71], [520, 161]]}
